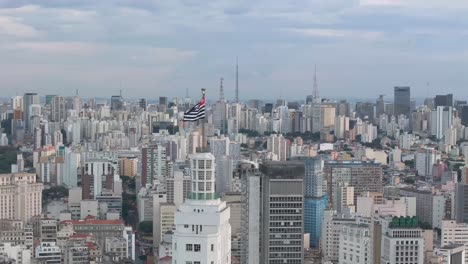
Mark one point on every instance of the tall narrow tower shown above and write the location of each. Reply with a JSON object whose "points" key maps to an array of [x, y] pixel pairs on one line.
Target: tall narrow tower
{"points": [[221, 90], [237, 81], [202, 231], [315, 92]]}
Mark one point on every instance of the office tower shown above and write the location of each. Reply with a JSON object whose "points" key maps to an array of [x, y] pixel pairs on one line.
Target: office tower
{"points": [[355, 244], [21, 196], [441, 120], [453, 233], [402, 241], [163, 101], [461, 203], [425, 159], [142, 104], [464, 114], [28, 100], [58, 109], [315, 201], [365, 111], [251, 179], [443, 100], [117, 103], [202, 230], [282, 224], [364, 176], [402, 103], [380, 106], [153, 164], [430, 207], [268, 108]]}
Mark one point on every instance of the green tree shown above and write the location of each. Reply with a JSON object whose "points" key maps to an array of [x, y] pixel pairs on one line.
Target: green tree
{"points": [[7, 157], [146, 227]]}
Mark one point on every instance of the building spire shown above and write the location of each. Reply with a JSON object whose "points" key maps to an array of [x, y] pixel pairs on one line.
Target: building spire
{"points": [[221, 90], [315, 92], [237, 80]]}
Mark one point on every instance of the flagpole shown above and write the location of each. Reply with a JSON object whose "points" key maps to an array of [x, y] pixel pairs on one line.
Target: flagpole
{"points": [[203, 124]]}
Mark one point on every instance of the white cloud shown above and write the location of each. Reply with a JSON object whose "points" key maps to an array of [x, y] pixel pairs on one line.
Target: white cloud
{"points": [[446, 4], [14, 27], [336, 33]]}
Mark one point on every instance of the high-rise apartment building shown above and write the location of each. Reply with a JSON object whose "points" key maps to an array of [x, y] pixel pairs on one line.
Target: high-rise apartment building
{"points": [[402, 103], [441, 120], [425, 159], [21, 196], [58, 109], [202, 230], [128, 166], [28, 100], [154, 164]]}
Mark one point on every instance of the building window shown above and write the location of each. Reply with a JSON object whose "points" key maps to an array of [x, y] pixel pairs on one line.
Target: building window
{"points": [[189, 247], [212, 247], [197, 247]]}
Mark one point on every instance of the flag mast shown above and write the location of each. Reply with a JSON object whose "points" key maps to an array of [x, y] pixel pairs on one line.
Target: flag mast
{"points": [[203, 123]]}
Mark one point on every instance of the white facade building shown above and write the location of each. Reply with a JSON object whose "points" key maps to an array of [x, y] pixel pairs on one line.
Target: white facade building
{"points": [[203, 232], [355, 244], [454, 233], [401, 243]]}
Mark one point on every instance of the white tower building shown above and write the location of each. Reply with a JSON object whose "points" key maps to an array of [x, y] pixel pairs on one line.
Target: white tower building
{"points": [[203, 232]]}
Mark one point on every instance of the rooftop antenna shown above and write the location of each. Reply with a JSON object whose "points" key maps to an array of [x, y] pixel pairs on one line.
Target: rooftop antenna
{"points": [[221, 90], [237, 80], [315, 92]]}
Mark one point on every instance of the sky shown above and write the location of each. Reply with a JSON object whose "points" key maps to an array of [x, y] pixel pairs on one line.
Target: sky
{"points": [[361, 48]]}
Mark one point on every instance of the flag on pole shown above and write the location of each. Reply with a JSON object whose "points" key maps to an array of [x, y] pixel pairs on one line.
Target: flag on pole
{"points": [[196, 113]]}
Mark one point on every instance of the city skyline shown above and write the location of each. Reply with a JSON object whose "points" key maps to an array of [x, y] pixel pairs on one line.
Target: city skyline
{"points": [[147, 48]]}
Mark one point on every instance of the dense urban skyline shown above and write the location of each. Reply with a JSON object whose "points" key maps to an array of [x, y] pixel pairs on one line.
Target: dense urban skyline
{"points": [[151, 48]]}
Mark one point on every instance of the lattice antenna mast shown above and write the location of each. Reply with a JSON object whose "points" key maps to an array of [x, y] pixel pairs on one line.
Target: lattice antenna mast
{"points": [[315, 92], [221, 90], [237, 80]]}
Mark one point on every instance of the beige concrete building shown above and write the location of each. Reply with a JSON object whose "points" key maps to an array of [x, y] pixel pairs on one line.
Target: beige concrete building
{"points": [[128, 167], [21, 196]]}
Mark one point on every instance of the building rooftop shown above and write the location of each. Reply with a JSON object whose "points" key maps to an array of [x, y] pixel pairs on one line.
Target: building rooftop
{"points": [[292, 169]]}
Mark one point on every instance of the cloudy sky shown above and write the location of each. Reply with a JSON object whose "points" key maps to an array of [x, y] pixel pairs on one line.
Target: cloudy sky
{"points": [[362, 48]]}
